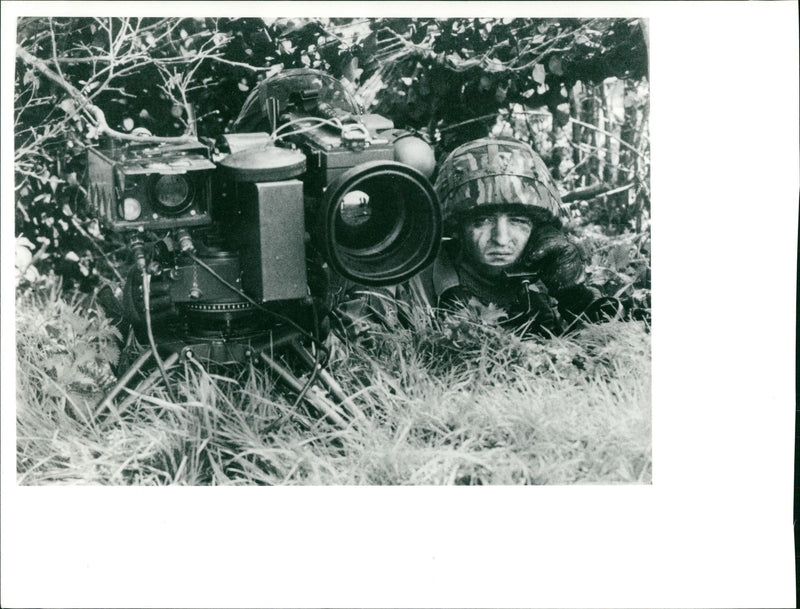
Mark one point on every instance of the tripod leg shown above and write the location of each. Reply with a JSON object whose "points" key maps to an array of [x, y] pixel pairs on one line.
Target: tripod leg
{"points": [[328, 380], [318, 401], [147, 383], [108, 400]]}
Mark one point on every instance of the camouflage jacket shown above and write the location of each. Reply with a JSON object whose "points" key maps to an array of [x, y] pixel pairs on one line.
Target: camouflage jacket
{"points": [[446, 286]]}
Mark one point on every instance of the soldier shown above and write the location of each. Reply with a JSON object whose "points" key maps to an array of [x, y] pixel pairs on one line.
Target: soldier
{"points": [[505, 244], [503, 214]]}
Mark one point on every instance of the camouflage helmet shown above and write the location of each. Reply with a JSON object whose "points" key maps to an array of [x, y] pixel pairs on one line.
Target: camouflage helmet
{"points": [[498, 172]]}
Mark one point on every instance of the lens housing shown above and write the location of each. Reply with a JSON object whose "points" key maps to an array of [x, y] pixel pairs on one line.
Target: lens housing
{"points": [[397, 231]]}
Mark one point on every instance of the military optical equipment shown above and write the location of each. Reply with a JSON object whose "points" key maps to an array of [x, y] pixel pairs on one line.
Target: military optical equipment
{"points": [[306, 187], [141, 186]]}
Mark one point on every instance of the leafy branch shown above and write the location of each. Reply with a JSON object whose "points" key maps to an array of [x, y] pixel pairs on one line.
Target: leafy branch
{"points": [[85, 106]]}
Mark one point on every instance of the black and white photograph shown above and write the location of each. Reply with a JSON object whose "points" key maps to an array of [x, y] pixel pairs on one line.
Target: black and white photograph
{"points": [[299, 248], [332, 251]]}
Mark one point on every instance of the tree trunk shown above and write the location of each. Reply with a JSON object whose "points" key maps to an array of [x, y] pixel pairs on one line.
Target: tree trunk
{"points": [[599, 120], [575, 105]]}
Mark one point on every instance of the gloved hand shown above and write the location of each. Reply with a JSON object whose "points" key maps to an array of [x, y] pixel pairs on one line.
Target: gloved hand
{"points": [[163, 312], [580, 303], [559, 264], [533, 313], [556, 260]]}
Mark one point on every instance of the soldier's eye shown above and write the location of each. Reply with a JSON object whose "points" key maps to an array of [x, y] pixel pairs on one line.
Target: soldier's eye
{"points": [[521, 220]]}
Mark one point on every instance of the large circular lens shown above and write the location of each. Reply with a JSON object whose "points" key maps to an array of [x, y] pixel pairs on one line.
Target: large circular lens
{"points": [[172, 193], [381, 223], [367, 223]]}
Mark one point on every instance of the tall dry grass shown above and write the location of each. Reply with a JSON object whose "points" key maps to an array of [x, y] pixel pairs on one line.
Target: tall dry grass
{"points": [[459, 402]]}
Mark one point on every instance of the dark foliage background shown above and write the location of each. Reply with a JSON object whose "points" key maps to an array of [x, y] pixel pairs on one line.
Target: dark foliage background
{"points": [[577, 89]]}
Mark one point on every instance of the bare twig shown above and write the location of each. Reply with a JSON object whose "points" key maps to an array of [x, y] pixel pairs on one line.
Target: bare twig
{"points": [[85, 103], [238, 64], [486, 58], [55, 46], [127, 137], [96, 245], [591, 152], [608, 134], [40, 65], [493, 115]]}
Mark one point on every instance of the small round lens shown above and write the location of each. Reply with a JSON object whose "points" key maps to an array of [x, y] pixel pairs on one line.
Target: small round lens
{"points": [[172, 192], [131, 209]]}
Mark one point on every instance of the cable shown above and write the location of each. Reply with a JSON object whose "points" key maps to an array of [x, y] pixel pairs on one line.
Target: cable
{"points": [[150, 338], [315, 367], [304, 390], [318, 122]]}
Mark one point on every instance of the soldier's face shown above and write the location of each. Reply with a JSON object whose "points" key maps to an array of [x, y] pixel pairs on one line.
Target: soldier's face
{"points": [[494, 241]]}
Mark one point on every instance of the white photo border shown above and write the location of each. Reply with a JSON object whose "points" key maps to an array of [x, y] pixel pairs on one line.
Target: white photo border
{"points": [[713, 530]]}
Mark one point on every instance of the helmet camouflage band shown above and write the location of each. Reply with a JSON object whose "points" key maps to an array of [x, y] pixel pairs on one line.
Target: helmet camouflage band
{"points": [[502, 173]]}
